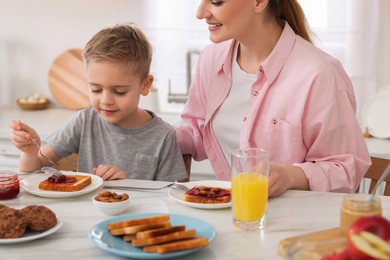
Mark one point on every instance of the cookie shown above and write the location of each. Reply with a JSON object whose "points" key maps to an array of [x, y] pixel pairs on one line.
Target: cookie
{"points": [[12, 223], [39, 218]]}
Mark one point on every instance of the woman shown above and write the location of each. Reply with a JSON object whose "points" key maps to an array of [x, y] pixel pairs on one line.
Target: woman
{"points": [[263, 84]]}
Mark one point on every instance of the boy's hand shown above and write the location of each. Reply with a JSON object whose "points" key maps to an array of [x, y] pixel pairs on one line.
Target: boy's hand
{"points": [[109, 172], [21, 137]]}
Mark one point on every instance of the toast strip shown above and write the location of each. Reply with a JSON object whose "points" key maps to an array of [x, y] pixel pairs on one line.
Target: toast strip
{"points": [[163, 239], [136, 222], [177, 246], [128, 238], [135, 229], [160, 231]]}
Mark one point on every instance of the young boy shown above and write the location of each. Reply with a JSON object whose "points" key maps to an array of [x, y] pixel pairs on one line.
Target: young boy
{"points": [[115, 139]]}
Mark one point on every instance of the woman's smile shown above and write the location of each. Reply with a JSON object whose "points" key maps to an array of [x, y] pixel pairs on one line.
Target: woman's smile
{"points": [[215, 26]]}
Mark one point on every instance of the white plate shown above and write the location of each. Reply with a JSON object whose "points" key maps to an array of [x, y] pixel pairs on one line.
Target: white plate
{"points": [[31, 185], [375, 115], [32, 235], [177, 194]]}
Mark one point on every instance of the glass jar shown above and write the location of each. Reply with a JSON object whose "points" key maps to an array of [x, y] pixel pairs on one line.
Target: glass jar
{"points": [[9, 185], [355, 206]]}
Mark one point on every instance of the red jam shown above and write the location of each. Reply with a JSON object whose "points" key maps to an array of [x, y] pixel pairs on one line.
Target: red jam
{"points": [[9, 185], [61, 179], [208, 192]]}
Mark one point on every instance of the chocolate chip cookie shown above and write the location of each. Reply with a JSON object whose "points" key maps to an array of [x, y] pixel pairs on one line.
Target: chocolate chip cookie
{"points": [[39, 218], [12, 224]]}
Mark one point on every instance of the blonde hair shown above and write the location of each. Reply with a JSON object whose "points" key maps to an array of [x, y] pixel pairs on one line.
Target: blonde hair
{"points": [[291, 11], [125, 44]]}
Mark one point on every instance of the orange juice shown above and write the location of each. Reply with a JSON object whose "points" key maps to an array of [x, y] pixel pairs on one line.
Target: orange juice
{"points": [[249, 196]]}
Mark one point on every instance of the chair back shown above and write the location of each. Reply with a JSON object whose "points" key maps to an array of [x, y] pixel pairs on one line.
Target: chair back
{"points": [[68, 163], [187, 158], [375, 171]]}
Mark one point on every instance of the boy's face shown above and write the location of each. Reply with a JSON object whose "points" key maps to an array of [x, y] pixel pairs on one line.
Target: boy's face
{"points": [[114, 93]]}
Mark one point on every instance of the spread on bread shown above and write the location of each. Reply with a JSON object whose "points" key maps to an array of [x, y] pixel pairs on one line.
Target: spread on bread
{"points": [[157, 235], [67, 183], [14, 222], [207, 195]]}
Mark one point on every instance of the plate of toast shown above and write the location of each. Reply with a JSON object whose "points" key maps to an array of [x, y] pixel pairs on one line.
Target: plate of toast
{"points": [[76, 183], [152, 235], [207, 194]]}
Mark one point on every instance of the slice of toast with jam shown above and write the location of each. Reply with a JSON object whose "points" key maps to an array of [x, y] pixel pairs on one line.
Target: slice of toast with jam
{"points": [[68, 184]]}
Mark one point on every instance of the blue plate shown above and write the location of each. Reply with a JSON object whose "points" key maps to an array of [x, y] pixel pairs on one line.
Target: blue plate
{"points": [[101, 236]]}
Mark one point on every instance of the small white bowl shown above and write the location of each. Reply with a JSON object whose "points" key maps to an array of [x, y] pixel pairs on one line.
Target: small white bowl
{"points": [[111, 208]]}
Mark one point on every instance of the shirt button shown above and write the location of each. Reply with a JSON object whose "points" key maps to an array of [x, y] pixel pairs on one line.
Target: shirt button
{"points": [[261, 69], [244, 119], [255, 93], [274, 121]]}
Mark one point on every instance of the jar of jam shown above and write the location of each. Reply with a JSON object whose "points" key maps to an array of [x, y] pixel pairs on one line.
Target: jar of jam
{"points": [[9, 185], [355, 206]]}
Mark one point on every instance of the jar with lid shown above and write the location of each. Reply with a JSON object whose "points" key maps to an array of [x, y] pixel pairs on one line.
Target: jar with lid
{"points": [[9, 185], [355, 206]]}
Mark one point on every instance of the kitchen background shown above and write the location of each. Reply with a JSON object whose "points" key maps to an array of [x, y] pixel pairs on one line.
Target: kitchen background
{"points": [[34, 32]]}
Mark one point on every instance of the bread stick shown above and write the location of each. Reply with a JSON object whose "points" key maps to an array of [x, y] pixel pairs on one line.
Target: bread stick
{"points": [[139, 242], [177, 246], [128, 238], [160, 231], [136, 222], [135, 229]]}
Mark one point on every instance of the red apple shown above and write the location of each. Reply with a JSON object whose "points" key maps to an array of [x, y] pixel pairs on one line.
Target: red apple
{"points": [[367, 245], [375, 224], [369, 238]]}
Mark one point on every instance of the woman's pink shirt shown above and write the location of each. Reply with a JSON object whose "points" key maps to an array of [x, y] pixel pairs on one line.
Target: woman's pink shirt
{"points": [[302, 110]]}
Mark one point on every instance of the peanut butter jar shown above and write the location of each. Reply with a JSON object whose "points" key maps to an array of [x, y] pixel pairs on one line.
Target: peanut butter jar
{"points": [[355, 206]]}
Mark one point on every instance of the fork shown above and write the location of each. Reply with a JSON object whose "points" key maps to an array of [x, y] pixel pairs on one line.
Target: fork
{"points": [[44, 156], [172, 185], [51, 170]]}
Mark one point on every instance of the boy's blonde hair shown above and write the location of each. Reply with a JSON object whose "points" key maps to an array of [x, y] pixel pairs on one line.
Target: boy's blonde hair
{"points": [[123, 43]]}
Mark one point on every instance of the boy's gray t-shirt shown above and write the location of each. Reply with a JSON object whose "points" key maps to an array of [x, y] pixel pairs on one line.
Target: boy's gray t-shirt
{"points": [[150, 152]]}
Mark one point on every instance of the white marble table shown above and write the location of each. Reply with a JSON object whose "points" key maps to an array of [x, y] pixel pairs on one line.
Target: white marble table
{"points": [[293, 213]]}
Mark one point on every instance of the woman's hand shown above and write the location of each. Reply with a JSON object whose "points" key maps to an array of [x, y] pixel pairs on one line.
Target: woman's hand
{"points": [[21, 136], [109, 172], [283, 178]]}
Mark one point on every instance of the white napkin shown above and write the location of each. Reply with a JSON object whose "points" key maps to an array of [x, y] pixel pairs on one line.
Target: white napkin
{"points": [[137, 183]]}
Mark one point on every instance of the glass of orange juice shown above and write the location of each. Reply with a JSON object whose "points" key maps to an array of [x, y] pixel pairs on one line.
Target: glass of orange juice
{"points": [[250, 171]]}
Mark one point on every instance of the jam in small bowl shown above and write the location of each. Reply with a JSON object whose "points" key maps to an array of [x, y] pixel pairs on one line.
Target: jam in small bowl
{"points": [[9, 185]]}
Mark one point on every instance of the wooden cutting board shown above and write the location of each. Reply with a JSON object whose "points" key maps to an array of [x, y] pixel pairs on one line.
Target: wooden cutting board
{"points": [[67, 80], [333, 236]]}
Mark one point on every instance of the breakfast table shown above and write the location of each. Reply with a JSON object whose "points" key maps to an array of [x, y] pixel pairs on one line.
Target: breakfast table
{"points": [[291, 214]]}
